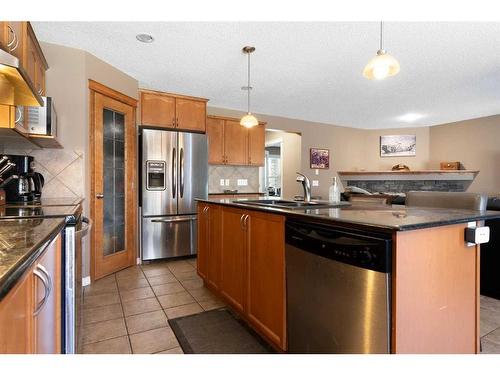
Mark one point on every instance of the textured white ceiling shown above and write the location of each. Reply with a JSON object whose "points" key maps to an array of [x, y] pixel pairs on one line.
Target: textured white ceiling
{"points": [[310, 71]]}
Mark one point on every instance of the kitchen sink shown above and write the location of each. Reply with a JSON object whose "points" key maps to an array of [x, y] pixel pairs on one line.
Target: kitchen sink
{"points": [[280, 203]]}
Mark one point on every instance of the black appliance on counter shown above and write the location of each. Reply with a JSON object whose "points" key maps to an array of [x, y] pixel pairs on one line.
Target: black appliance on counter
{"points": [[490, 255], [22, 183]]}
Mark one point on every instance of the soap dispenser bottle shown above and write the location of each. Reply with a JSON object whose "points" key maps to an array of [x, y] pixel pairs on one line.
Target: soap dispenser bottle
{"points": [[334, 191]]}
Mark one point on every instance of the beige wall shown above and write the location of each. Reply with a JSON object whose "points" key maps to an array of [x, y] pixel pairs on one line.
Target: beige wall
{"points": [[475, 143], [67, 82], [350, 149], [290, 162]]}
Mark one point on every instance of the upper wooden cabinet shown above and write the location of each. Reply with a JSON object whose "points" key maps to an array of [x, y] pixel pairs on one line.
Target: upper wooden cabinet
{"points": [[235, 143], [229, 143], [215, 132], [256, 144], [12, 37], [18, 38], [173, 111]]}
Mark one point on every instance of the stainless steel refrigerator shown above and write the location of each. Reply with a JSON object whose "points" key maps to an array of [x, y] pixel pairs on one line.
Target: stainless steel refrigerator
{"points": [[174, 173]]}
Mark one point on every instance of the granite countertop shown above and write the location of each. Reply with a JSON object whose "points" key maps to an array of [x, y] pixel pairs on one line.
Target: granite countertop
{"points": [[21, 243], [239, 193], [374, 217], [50, 202]]}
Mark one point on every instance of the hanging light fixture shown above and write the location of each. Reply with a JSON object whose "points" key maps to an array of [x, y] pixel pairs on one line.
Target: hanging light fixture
{"points": [[383, 65], [248, 120]]}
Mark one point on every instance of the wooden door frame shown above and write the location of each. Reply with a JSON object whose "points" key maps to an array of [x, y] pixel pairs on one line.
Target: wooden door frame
{"points": [[96, 87]]}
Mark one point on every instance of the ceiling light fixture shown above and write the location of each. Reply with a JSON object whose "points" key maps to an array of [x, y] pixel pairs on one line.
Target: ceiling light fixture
{"points": [[411, 117], [383, 65], [144, 38], [248, 120]]}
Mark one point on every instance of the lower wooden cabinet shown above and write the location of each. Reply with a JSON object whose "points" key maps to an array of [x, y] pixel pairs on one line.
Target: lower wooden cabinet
{"points": [[47, 301], [233, 257], [241, 257], [30, 314], [16, 316]]}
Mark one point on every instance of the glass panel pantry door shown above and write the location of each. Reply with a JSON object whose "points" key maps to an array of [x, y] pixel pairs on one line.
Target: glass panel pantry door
{"points": [[113, 138]]}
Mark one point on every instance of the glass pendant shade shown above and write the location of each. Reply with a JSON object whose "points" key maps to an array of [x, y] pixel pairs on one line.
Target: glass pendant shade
{"points": [[249, 121], [381, 66]]}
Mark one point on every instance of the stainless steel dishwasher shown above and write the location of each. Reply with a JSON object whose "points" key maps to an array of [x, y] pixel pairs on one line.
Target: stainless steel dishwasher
{"points": [[338, 290]]}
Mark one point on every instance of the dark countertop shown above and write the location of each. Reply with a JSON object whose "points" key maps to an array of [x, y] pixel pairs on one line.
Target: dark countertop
{"points": [[50, 202], [21, 243], [238, 193], [374, 217]]}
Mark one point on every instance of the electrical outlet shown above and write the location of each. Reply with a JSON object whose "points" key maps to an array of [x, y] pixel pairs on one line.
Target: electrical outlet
{"points": [[227, 181], [316, 172], [242, 182], [222, 182], [315, 183]]}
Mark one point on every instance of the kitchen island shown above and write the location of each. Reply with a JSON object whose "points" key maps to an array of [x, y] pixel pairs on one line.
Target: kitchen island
{"points": [[434, 278]]}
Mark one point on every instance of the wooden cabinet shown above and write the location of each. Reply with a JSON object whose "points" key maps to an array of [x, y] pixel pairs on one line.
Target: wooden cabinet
{"points": [[33, 60], [241, 257], [16, 318], [172, 111], [266, 275], [157, 110], [256, 144], [233, 257], [233, 144], [209, 243], [47, 300], [12, 37], [191, 114], [215, 133], [30, 314]]}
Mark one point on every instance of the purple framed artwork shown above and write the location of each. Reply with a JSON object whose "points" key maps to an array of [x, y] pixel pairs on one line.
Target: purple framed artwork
{"points": [[320, 158]]}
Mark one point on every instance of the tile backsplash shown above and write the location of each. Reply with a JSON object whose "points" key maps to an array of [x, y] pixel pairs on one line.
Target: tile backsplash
{"points": [[216, 173], [63, 171]]}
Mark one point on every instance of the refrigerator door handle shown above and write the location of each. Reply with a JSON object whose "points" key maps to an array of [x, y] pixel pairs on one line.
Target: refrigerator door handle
{"points": [[175, 220], [174, 172], [181, 172]]}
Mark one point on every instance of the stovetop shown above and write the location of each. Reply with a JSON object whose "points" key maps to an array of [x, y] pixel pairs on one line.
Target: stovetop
{"points": [[25, 212]]}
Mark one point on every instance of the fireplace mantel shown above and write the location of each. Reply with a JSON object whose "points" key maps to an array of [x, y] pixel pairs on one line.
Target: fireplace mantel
{"points": [[402, 181]]}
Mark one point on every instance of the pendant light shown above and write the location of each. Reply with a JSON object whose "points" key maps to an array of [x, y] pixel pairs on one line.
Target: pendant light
{"points": [[248, 120], [383, 65]]}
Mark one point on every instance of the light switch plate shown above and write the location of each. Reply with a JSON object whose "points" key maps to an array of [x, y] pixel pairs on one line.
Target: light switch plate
{"points": [[316, 171], [315, 183], [227, 181], [221, 182]]}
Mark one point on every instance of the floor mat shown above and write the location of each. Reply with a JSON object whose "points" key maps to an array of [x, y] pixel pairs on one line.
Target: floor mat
{"points": [[217, 332]]}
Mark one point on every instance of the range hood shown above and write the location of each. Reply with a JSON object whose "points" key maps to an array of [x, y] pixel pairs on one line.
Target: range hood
{"points": [[15, 86]]}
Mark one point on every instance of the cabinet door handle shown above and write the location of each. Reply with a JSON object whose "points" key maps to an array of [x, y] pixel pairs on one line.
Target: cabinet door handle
{"points": [[19, 115], [15, 40], [99, 195], [173, 122], [49, 279], [177, 122], [40, 274], [241, 222], [245, 222]]}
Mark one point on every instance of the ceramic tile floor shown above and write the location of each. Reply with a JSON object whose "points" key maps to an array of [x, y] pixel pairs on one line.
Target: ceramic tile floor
{"points": [[127, 312], [490, 325]]}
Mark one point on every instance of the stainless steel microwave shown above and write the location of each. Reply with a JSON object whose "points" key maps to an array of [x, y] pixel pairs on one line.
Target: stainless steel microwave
{"points": [[42, 120]]}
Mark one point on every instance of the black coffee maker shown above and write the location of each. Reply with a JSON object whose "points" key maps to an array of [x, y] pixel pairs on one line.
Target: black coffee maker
{"points": [[22, 183]]}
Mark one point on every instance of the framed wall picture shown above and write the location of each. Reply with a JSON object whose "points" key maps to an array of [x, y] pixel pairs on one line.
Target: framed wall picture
{"points": [[320, 158], [398, 145]]}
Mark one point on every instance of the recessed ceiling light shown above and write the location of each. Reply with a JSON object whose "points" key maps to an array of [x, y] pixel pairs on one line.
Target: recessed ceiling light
{"points": [[145, 38], [411, 117]]}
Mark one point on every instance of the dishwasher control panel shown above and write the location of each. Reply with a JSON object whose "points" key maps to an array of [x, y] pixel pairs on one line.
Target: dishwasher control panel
{"points": [[365, 251]]}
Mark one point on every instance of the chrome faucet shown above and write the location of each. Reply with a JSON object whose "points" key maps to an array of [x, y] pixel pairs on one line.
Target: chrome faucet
{"points": [[306, 185]]}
